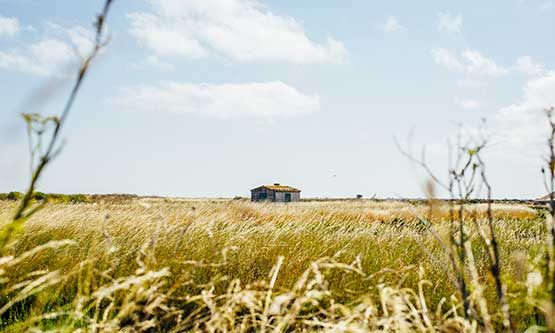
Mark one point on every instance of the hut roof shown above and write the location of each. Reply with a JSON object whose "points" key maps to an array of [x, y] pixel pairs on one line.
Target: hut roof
{"points": [[279, 188]]}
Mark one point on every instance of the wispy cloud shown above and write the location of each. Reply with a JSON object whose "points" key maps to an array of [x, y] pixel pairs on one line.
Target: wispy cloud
{"points": [[447, 59], [471, 62], [527, 65], [450, 23], [80, 38], [242, 30], [9, 26], [393, 25], [481, 65], [40, 58], [48, 54], [545, 6], [248, 100]]}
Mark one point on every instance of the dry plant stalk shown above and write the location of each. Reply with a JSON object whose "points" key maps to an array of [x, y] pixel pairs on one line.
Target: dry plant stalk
{"points": [[37, 129], [38, 125], [548, 306], [466, 177]]}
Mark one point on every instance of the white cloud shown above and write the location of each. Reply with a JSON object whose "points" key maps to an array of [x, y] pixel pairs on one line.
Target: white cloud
{"points": [[392, 25], [522, 127], [472, 62], [527, 65], [249, 100], [163, 37], [449, 23], [41, 58], [481, 65], [243, 30], [468, 104], [156, 62], [80, 38], [51, 51], [49, 55], [548, 5], [447, 59], [9, 26]]}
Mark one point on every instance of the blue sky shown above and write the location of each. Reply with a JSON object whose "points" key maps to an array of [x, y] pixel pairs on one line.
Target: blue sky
{"points": [[214, 97]]}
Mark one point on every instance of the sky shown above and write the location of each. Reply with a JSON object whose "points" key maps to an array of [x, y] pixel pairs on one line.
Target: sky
{"points": [[210, 98]]}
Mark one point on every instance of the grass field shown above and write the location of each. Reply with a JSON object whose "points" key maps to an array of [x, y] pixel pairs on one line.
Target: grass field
{"points": [[123, 263], [230, 265]]}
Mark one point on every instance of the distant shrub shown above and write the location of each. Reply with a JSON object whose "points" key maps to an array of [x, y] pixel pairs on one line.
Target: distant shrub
{"points": [[40, 196], [14, 196], [359, 196], [68, 198], [58, 198], [78, 198], [114, 198]]}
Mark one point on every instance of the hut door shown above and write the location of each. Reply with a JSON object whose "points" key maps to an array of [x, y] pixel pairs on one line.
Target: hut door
{"points": [[287, 197]]}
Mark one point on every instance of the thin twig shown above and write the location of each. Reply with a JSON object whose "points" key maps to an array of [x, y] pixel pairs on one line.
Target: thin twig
{"points": [[52, 150]]}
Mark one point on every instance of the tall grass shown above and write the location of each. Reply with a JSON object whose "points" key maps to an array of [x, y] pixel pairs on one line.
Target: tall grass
{"points": [[209, 259], [228, 266]]}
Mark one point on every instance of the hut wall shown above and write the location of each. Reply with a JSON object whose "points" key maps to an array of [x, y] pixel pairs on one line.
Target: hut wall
{"points": [[295, 196], [274, 196], [280, 196], [255, 194]]}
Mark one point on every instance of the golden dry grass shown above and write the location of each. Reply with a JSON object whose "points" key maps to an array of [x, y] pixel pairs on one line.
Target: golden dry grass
{"points": [[192, 247]]}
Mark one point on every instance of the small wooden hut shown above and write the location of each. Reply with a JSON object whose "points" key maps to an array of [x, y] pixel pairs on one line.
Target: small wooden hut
{"points": [[275, 193]]}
